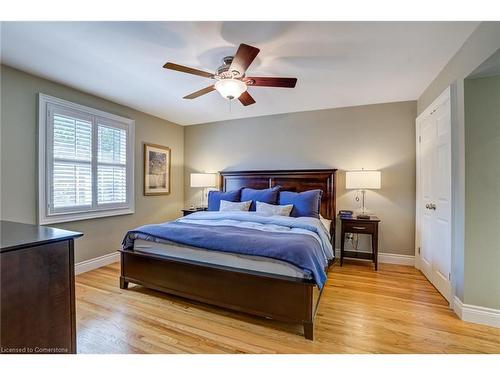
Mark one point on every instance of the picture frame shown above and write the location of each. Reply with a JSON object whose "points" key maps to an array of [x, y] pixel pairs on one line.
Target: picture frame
{"points": [[156, 169]]}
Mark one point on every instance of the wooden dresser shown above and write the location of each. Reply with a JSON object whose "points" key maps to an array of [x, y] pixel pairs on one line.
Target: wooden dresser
{"points": [[37, 288]]}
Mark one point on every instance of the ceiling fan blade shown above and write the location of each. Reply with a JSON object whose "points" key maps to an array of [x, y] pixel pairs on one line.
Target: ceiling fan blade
{"points": [[243, 58], [271, 81], [185, 69], [246, 99], [201, 92]]}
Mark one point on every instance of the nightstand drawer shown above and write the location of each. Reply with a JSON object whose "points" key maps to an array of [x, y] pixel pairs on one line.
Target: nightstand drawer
{"points": [[359, 227]]}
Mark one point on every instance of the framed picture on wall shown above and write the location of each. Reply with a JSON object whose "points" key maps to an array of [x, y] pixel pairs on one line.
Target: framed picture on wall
{"points": [[156, 169]]}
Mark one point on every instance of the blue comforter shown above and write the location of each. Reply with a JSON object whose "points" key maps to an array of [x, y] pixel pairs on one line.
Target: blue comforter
{"points": [[302, 242]]}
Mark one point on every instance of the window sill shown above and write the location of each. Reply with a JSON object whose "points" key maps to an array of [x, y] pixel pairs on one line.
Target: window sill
{"points": [[84, 216]]}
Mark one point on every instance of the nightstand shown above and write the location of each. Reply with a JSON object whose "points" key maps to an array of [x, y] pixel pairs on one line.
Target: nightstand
{"points": [[187, 211], [360, 226]]}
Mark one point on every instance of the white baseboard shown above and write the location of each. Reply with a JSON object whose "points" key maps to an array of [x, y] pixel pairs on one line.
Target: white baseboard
{"points": [[92, 264], [405, 260], [476, 314]]}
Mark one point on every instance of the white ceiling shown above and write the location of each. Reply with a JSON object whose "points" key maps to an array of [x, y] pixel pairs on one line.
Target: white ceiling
{"points": [[337, 64]]}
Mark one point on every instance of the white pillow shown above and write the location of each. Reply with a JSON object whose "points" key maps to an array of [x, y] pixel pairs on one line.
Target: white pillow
{"points": [[326, 223], [234, 206], [273, 209]]}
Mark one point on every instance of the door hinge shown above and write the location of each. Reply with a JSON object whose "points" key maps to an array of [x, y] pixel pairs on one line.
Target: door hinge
{"points": [[449, 276], [419, 249], [419, 139]]}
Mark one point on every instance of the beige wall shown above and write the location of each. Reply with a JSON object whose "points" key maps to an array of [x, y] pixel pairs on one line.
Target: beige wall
{"points": [[482, 43], [348, 138], [380, 136], [19, 162], [482, 187]]}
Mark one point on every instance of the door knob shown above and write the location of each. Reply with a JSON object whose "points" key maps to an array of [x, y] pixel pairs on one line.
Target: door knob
{"points": [[432, 206]]}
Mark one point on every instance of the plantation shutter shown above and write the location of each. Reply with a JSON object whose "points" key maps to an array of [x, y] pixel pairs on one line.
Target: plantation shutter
{"points": [[111, 164], [86, 163], [72, 160]]}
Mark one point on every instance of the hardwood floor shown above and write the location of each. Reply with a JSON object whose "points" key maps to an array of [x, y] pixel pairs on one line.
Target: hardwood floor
{"points": [[394, 310]]}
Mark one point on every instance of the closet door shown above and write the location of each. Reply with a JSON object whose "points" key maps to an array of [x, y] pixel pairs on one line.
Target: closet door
{"points": [[427, 178], [434, 194], [442, 201]]}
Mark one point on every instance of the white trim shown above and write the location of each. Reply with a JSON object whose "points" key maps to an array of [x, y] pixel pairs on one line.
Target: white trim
{"points": [[442, 98], [63, 218], [476, 314], [457, 306], [389, 258], [458, 193], [92, 264], [418, 139], [405, 260], [82, 108], [45, 216]]}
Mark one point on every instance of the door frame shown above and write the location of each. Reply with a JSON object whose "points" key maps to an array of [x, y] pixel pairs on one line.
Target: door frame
{"points": [[442, 98]]}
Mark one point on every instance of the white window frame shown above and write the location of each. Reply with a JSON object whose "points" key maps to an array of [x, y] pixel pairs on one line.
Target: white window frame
{"points": [[46, 215]]}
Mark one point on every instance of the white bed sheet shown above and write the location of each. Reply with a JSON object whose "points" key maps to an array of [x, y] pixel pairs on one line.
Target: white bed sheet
{"points": [[246, 262]]}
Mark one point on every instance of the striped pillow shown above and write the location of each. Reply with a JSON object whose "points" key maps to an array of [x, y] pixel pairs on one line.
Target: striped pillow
{"points": [[273, 209], [234, 206]]}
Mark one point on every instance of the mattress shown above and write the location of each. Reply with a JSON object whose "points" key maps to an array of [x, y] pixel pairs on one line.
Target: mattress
{"points": [[239, 261]]}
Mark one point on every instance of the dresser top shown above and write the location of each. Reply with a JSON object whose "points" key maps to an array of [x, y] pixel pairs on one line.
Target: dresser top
{"points": [[18, 235]]}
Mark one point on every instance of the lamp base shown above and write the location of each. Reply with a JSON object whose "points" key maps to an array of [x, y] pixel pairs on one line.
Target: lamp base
{"points": [[363, 216]]}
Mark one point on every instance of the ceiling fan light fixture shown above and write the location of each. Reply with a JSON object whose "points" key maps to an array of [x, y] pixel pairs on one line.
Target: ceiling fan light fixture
{"points": [[231, 80], [230, 88]]}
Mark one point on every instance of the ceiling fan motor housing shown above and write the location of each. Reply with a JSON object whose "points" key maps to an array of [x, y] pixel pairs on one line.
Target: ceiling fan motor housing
{"points": [[223, 70]]}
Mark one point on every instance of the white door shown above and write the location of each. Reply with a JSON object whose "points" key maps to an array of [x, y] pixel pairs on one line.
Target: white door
{"points": [[427, 157], [434, 193]]}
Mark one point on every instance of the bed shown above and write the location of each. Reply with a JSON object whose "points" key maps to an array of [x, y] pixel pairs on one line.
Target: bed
{"points": [[257, 285]]}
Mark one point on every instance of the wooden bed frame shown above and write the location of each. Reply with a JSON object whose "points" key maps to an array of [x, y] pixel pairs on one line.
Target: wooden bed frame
{"points": [[277, 297]]}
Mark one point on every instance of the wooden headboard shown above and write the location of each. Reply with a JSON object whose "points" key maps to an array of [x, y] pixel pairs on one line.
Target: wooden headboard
{"points": [[290, 180]]}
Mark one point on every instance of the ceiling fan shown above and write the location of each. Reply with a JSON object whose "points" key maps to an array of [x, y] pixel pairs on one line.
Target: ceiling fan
{"points": [[231, 81]]}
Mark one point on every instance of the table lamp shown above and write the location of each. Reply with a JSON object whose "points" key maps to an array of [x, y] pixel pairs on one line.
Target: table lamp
{"points": [[362, 180], [203, 180]]}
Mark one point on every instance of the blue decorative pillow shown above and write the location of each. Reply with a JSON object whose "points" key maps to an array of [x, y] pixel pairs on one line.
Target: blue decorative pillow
{"points": [[214, 198], [307, 203], [265, 195]]}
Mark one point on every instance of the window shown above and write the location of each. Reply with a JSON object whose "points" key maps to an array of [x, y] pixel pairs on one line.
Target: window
{"points": [[86, 161]]}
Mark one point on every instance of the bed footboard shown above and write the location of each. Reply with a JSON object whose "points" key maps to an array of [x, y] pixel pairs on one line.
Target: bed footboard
{"points": [[277, 297]]}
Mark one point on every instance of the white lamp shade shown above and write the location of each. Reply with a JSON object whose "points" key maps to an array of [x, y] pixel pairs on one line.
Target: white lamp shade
{"points": [[203, 180], [362, 180]]}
